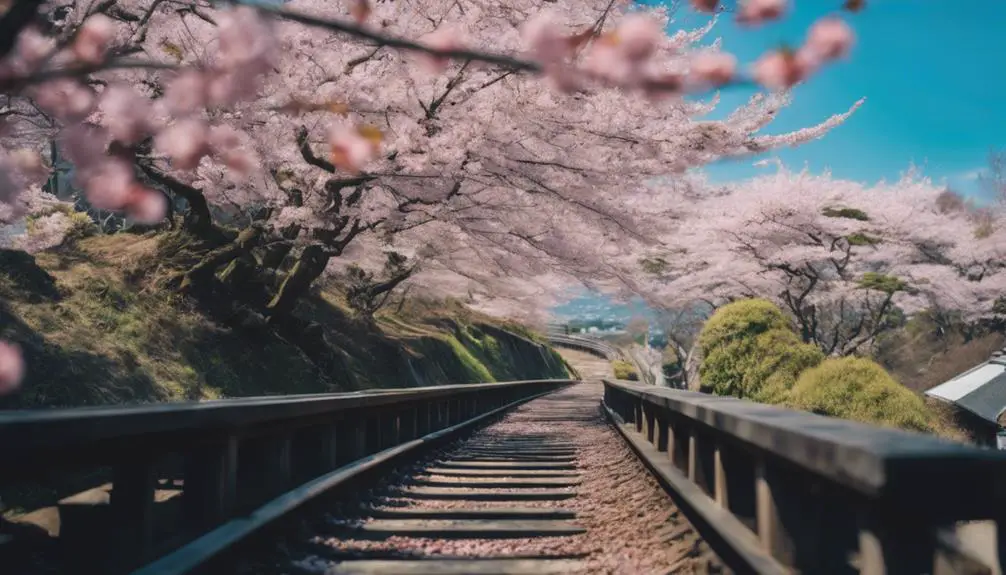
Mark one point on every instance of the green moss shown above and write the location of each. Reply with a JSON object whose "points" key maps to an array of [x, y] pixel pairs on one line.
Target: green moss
{"points": [[859, 389], [848, 213], [881, 282], [654, 266], [624, 370], [861, 239], [477, 370]]}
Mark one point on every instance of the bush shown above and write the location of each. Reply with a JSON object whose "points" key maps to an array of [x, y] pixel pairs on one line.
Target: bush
{"points": [[624, 370], [860, 389], [740, 320], [751, 352]]}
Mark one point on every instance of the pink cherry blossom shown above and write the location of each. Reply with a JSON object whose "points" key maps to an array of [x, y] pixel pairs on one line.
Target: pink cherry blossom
{"points": [[31, 49], [830, 38], [127, 115], [638, 36], [446, 37], [93, 39], [109, 184], [84, 146], [146, 206], [705, 5], [186, 92], [755, 12], [185, 142], [663, 86], [229, 146], [66, 99], [11, 367], [606, 61], [713, 68], [350, 150], [514, 184], [780, 70], [228, 88], [29, 163], [245, 40], [544, 38], [10, 188]]}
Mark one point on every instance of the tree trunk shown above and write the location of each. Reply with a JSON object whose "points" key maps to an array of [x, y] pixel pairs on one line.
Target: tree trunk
{"points": [[204, 271], [198, 218], [309, 267]]}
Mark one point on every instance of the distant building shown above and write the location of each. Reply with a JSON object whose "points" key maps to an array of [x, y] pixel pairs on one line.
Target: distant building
{"points": [[979, 398]]}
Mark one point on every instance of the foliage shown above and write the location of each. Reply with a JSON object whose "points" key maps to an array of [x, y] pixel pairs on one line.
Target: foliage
{"points": [[845, 260], [624, 370], [861, 239], [883, 283], [750, 351], [859, 389], [848, 213]]}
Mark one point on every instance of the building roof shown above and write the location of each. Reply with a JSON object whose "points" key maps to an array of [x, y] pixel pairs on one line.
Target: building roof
{"points": [[980, 390]]}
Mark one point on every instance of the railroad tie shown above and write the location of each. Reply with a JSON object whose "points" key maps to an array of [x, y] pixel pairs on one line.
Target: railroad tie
{"points": [[510, 487]]}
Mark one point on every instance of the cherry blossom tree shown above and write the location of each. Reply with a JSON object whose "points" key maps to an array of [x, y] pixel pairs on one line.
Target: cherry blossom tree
{"points": [[406, 124], [847, 261]]}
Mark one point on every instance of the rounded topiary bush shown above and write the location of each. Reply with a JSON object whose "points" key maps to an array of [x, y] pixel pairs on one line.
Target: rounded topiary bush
{"points": [[741, 319], [859, 389], [624, 370], [750, 351]]}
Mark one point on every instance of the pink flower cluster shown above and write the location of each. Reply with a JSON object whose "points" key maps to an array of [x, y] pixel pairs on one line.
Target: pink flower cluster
{"points": [[829, 38], [245, 48], [624, 58], [353, 147], [108, 182], [19, 170], [11, 367], [446, 37], [245, 53], [189, 140]]}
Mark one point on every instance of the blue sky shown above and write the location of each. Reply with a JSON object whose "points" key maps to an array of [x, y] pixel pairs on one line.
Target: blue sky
{"points": [[932, 74]]}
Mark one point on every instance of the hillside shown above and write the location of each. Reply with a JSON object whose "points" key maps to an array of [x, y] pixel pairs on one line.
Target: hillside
{"points": [[97, 327]]}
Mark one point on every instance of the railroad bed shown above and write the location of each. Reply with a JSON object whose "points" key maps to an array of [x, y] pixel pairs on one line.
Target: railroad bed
{"points": [[548, 489]]}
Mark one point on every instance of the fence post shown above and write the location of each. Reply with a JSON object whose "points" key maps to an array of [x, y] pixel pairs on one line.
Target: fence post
{"points": [[208, 495]]}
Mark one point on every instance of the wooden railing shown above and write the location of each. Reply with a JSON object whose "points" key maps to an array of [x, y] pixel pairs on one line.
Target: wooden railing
{"points": [[782, 491], [587, 344], [236, 464]]}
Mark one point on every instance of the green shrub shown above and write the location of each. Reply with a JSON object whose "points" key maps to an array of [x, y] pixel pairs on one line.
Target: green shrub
{"points": [[624, 370], [859, 389], [750, 351], [847, 213], [740, 320]]}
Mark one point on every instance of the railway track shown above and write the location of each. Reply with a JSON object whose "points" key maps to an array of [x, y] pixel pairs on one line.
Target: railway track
{"points": [[514, 477], [548, 489]]}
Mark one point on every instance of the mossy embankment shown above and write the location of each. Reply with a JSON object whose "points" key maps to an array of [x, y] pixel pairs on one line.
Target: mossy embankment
{"points": [[97, 326]]}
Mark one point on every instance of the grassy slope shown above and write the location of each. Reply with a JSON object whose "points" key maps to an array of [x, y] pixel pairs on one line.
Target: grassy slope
{"points": [[96, 330]]}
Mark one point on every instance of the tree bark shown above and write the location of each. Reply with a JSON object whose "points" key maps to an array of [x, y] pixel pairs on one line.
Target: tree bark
{"points": [[202, 272], [309, 267], [198, 220]]}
